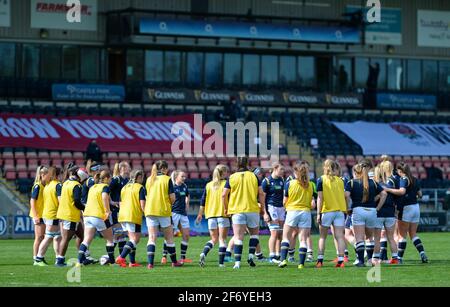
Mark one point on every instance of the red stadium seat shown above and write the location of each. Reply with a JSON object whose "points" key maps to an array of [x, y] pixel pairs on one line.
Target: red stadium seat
{"points": [[417, 159], [57, 162], [31, 155], [136, 164], [66, 155], [8, 155], [9, 165], [171, 165], [19, 155], [330, 157], [44, 161], [43, 154], [22, 175], [11, 175], [146, 156], [194, 175], [167, 156], [78, 155], [205, 175], [181, 165], [21, 165], [123, 156], [33, 174], [55, 155], [202, 166], [423, 175], [156, 156], [135, 156], [32, 164]]}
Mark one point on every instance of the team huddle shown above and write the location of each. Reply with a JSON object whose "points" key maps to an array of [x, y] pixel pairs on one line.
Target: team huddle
{"points": [[376, 208]]}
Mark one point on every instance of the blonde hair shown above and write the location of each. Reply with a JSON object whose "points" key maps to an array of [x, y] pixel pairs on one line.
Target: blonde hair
{"points": [[157, 166], [175, 175], [377, 174], [99, 177], [386, 158], [386, 170], [329, 168], [54, 172], [336, 168], [218, 174], [301, 169], [361, 171], [118, 166], [40, 171]]}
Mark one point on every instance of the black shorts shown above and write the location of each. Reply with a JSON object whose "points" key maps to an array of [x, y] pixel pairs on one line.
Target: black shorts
{"points": [[115, 215]]}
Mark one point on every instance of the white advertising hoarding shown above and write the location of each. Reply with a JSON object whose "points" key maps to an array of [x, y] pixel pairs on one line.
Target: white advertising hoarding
{"points": [[53, 14], [433, 29]]}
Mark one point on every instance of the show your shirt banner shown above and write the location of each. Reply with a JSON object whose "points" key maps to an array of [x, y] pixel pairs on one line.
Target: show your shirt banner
{"points": [[386, 32], [433, 29], [247, 30], [52, 14], [399, 138], [136, 134]]}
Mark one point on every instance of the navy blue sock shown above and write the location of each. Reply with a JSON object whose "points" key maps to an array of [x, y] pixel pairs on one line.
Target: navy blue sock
{"points": [[228, 254], [360, 251], [401, 248], [165, 252], [110, 251], [121, 246], [346, 252], [222, 251], [369, 249], [238, 251], [207, 248], [172, 252], [291, 252], [383, 249], [418, 244], [284, 250], [254, 241], [151, 253], [82, 253], [302, 253], [184, 246], [133, 255], [127, 249]]}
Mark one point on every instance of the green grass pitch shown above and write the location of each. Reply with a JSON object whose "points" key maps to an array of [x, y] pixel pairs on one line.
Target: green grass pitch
{"points": [[16, 269]]}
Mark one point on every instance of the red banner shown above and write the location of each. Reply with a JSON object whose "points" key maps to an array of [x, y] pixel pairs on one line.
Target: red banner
{"points": [[136, 134]]}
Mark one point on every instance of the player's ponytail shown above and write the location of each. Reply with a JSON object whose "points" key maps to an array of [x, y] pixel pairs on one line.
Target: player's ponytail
{"points": [[135, 174], [218, 173], [88, 166], [386, 170], [302, 173], [361, 172], [54, 172], [116, 170], [157, 167], [336, 169], [402, 166], [100, 177], [242, 163], [377, 174]]}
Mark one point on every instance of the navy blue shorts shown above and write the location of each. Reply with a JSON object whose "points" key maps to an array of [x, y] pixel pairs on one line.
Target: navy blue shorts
{"points": [[115, 215]]}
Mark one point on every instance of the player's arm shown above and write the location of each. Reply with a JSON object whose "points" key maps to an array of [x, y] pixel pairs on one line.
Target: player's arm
{"points": [[106, 199], [34, 197], [171, 193], [142, 196]]}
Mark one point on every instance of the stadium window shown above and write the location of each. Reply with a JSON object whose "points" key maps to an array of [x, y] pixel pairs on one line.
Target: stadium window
{"points": [[194, 69], [382, 75], [287, 74], [323, 75], [172, 67], [70, 62], [30, 61], [414, 75], [213, 69], [361, 72], [269, 69], [395, 74], [154, 66], [135, 64], [50, 61], [90, 64], [444, 76], [232, 69], [306, 70], [7, 59], [250, 69], [430, 76], [343, 75]]}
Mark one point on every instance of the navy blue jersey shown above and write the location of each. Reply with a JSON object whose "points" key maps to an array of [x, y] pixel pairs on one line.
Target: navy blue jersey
{"points": [[116, 185], [355, 187], [35, 192], [181, 192], [274, 191], [388, 209], [410, 197], [85, 189]]}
